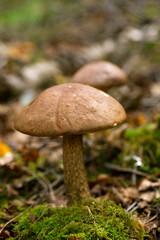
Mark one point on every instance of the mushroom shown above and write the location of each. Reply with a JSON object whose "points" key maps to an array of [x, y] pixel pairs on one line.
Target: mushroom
{"points": [[71, 109], [102, 75]]}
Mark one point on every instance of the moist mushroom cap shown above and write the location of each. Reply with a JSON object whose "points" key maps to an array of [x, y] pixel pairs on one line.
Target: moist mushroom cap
{"points": [[102, 75], [69, 108]]}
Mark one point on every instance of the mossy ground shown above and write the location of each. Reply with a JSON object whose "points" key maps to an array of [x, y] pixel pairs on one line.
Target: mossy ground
{"points": [[89, 220], [142, 142]]}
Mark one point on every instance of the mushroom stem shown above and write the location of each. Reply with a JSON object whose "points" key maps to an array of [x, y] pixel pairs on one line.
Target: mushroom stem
{"points": [[74, 169]]}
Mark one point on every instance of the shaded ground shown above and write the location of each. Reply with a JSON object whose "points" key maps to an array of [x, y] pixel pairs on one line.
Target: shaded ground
{"points": [[45, 45]]}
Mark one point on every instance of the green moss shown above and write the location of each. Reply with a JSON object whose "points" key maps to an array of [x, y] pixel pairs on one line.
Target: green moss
{"points": [[89, 220], [142, 142]]}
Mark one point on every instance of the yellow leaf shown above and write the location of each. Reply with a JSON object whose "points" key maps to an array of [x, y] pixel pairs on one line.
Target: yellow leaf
{"points": [[4, 149]]}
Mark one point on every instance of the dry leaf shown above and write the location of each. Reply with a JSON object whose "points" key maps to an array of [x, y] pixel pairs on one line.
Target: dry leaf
{"points": [[154, 88], [29, 155], [4, 149], [142, 204], [148, 196], [6, 154], [130, 193], [144, 185], [115, 195]]}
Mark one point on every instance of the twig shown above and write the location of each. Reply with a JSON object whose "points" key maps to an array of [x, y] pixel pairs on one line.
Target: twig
{"points": [[131, 207], [151, 219], [128, 170], [89, 210], [134, 177], [44, 182], [60, 189], [44, 212], [41, 182], [51, 192], [152, 176], [13, 219], [57, 181]]}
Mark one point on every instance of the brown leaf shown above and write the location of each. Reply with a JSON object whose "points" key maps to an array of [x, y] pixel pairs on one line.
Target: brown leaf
{"points": [[142, 204], [146, 184], [29, 155], [102, 178], [115, 195], [148, 196], [130, 193]]}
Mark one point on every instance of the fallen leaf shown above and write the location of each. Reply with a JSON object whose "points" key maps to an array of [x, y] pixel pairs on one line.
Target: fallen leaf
{"points": [[6, 154], [115, 195], [4, 149], [148, 196], [29, 155], [130, 193], [146, 184], [142, 204]]}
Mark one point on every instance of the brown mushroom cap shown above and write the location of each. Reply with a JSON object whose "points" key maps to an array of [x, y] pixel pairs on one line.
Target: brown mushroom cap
{"points": [[102, 75], [69, 108]]}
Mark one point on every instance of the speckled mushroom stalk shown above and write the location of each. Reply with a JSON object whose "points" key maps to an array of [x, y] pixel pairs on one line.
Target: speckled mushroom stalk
{"points": [[70, 110], [74, 168]]}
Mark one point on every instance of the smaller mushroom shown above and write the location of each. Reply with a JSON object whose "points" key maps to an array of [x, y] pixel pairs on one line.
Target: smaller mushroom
{"points": [[71, 110], [102, 75]]}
